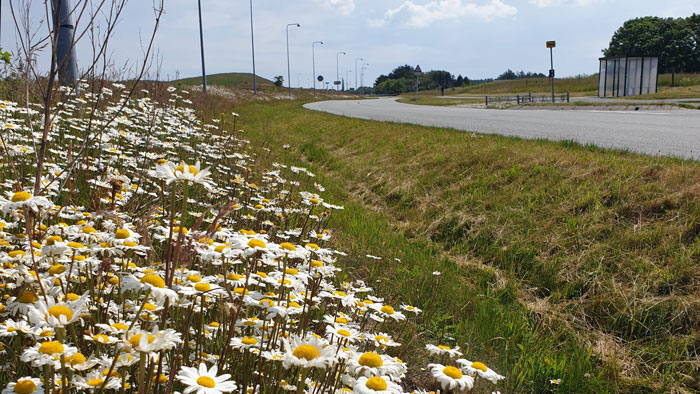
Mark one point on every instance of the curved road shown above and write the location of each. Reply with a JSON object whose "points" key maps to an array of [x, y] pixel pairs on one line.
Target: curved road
{"points": [[668, 133]]}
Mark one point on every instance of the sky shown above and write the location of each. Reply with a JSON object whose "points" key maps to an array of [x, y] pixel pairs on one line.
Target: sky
{"points": [[475, 38]]}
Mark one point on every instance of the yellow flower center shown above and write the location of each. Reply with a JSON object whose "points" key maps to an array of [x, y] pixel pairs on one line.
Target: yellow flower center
{"points": [[194, 278], [370, 359], [480, 366], [46, 333], [291, 271], [376, 383], [452, 372], [61, 310], [89, 230], [312, 246], [153, 280], [71, 297], [204, 286], [193, 170], [28, 297], [122, 234], [24, 386], [344, 333], [249, 341], [339, 293], [16, 253], [101, 338], [57, 269], [206, 381], [443, 347], [316, 263], [381, 338], [256, 243], [53, 239], [77, 358], [95, 382], [387, 309], [51, 347], [119, 326], [21, 196], [136, 339], [288, 246], [307, 352], [75, 245]]}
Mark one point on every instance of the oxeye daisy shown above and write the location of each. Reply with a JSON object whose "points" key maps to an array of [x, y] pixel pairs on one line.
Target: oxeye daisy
{"points": [[24, 200], [95, 380], [376, 385], [443, 350], [451, 378], [477, 367], [58, 314], [203, 381], [307, 353], [25, 385], [45, 353]]}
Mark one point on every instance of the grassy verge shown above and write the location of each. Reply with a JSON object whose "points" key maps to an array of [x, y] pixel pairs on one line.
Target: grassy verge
{"points": [[436, 101], [557, 260]]}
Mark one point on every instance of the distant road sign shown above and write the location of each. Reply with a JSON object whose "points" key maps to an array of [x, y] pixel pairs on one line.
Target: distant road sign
{"points": [[336, 82], [320, 78], [551, 44], [418, 71]]}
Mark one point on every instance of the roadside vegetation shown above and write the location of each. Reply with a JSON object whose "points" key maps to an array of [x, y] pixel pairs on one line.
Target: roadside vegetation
{"points": [[557, 260]]}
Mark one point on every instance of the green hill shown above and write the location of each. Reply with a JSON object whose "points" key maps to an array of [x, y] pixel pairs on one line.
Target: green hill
{"points": [[242, 80]]}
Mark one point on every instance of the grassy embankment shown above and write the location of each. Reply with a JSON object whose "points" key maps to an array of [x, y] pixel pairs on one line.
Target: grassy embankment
{"points": [[228, 80], [557, 260]]}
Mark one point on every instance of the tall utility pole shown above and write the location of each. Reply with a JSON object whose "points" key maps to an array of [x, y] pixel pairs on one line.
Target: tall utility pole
{"points": [[252, 45], [337, 69], [201, 46], [362, 78], [313, 61], [551, 45], [289, 70], [65, 50], [359, 58]]}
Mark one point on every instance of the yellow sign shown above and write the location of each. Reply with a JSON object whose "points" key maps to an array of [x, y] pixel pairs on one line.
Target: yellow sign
{"points": [[551, 44]]}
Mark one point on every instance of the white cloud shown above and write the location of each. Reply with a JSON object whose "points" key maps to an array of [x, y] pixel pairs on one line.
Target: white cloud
{"points": [[345, 7], [424, 15], [559, 3]]}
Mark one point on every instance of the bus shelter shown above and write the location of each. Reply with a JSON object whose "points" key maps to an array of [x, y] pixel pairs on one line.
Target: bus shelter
{"points": [[628, 76]]}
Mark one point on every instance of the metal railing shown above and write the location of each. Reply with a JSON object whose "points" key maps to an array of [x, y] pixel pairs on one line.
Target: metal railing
{"points": [[527, 98]]}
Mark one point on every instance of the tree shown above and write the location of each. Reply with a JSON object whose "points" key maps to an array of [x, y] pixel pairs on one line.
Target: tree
{"points": [[279, 81], [441, 79], [673, 40], [507, 75]]}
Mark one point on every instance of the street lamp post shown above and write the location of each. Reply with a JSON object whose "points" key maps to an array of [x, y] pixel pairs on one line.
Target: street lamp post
{"points": [[313, 61], [337, 68], [359, 58], [289, 70], [252, 45], [201, 46], [362, 77], [551, 45]]}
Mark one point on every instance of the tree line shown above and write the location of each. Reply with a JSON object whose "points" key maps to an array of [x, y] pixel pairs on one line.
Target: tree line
{"points": [[676, 41], [402, 80]]}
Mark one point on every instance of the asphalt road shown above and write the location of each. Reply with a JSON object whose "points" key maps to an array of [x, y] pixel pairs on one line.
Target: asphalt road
{"points": [[669, 133]]}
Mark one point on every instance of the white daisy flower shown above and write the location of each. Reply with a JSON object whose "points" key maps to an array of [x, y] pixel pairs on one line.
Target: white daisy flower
{"points": [[25, 385], [481, 369], [451, 378], [203, 381], [376, 385]]}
